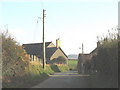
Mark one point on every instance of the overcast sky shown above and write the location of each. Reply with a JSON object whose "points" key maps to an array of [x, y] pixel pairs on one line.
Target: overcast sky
{"points": [[73, 21]]}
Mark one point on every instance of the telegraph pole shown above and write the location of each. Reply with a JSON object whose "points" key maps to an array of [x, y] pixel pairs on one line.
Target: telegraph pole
{"points": [[44, 56], [82, 49], [82, 68]]}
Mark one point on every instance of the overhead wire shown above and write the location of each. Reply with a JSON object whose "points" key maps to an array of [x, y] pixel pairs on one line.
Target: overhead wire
{"points": [[35, 31], [36, 27]]}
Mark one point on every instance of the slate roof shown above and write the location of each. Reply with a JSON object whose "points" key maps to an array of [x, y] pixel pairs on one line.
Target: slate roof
{"points": [[50, 51], [94, 51], [37, 49]]}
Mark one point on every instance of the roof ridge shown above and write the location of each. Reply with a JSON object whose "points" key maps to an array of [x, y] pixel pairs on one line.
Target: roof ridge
{"points": [[35, 43]]}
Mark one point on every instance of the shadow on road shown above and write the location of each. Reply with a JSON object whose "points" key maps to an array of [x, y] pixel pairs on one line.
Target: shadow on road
{"points": [[55, 68]]}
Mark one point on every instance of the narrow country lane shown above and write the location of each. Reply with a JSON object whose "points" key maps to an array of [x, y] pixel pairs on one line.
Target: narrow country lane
{"points": [[70, 79]]}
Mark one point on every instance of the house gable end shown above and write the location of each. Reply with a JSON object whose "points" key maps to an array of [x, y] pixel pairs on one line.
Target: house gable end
{"points": [[58, 53], [63, 52], [50, 45]]}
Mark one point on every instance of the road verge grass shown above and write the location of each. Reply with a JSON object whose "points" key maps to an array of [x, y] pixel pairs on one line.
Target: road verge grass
{"points": [[35, 74]]}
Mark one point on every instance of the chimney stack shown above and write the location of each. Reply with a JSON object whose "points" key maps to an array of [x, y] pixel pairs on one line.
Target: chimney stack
{"points": [[58, 43]]}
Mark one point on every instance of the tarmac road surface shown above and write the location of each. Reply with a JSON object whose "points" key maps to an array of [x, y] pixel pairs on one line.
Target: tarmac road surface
{"points": [[70, 79]]}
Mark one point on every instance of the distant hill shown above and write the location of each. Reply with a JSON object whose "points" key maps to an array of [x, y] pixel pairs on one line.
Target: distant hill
{"points": [[73, 56]]}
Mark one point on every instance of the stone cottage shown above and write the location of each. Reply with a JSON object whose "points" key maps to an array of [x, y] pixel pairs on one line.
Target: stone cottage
{"points": [[52, 51]]}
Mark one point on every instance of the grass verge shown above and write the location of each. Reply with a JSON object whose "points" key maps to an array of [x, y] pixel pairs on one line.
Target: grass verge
{"points": [[33, 75]]}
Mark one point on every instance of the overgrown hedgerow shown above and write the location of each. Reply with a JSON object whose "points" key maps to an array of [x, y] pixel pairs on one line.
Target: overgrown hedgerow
{"points": [[106, 63], [17, 69]]}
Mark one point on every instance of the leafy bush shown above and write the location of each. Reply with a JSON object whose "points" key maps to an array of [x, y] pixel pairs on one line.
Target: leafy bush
{"points": [[59, 67], [14, 58], [106, 62], [107, 58], [59, 60], [18, 71], [55, 68], [63, 67]]}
